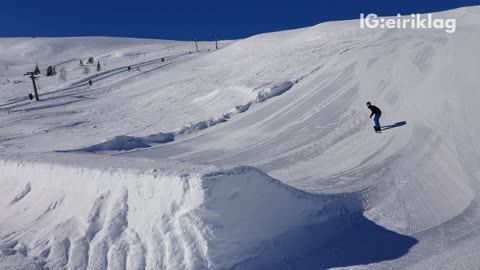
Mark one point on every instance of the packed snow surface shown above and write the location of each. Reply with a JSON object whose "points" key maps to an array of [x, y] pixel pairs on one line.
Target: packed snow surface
{"points": [[259, 155]]}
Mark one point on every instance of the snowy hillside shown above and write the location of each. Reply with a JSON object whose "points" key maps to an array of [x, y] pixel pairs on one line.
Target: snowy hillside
{"points": [[259, 155]]}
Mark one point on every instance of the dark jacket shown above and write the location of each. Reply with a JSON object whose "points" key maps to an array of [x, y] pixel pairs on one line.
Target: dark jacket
{"points": [[375, 110]]}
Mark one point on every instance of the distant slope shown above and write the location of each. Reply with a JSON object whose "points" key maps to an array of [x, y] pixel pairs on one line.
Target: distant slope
{"points": [[26, 50]]}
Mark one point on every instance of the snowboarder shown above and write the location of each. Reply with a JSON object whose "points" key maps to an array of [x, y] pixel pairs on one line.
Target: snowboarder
{"points": [[378, 113], [90, 82], [129, 68]]}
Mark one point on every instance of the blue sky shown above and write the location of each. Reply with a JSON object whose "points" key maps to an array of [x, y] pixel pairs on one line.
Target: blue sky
{"points": [[184, 20]]}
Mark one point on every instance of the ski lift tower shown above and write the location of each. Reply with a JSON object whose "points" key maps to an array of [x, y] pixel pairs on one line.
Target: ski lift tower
{"points": [[32, 76]]}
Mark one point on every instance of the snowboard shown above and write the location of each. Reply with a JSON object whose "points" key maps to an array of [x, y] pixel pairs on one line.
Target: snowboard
{"points": [[377, 130]]}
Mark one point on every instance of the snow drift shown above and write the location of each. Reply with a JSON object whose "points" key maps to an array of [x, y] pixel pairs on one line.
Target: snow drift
{"points": [[126, 143], [126, 219]]}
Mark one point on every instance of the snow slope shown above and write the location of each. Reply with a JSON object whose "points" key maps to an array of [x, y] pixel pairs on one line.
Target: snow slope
{"points": [[170, 165], [425, 79]]}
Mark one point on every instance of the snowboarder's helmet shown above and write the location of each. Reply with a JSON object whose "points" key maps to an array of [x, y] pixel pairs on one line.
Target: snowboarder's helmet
{"points": [[368, 103]]}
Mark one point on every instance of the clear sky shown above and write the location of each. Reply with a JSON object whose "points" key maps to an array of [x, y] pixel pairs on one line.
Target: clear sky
{"points": [[184, 20]]}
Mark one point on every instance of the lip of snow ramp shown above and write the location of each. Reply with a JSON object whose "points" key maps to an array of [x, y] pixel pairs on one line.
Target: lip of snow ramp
{"points": [[76, 218]]}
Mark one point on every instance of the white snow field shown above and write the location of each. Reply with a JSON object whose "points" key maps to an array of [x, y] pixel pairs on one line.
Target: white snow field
{"points": [[259, 155]]}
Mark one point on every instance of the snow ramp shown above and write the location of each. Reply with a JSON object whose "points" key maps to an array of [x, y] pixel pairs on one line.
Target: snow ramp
{"points": [[65, 217]]}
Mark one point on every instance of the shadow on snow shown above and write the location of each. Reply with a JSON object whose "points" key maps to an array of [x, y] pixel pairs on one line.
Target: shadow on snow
{"points": [[324, 246], [398, 124]]}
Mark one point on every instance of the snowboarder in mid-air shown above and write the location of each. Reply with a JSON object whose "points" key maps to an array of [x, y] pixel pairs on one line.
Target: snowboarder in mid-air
{"points": [[378, 113]]}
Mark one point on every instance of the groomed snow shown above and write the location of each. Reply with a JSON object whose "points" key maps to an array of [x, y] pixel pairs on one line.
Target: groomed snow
{"points": [[259, 155]]}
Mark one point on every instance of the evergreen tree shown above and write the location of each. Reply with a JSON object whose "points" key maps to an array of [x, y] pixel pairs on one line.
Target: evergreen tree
{"points": [[49, 71], [37, 70]]}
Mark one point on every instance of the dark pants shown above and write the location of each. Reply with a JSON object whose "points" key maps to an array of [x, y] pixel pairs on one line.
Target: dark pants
{"points": [[376, 119]]}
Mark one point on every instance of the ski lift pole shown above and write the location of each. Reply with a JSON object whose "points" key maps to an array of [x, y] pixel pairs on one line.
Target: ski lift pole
{"points": [[32, 76], [196, 46]]}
